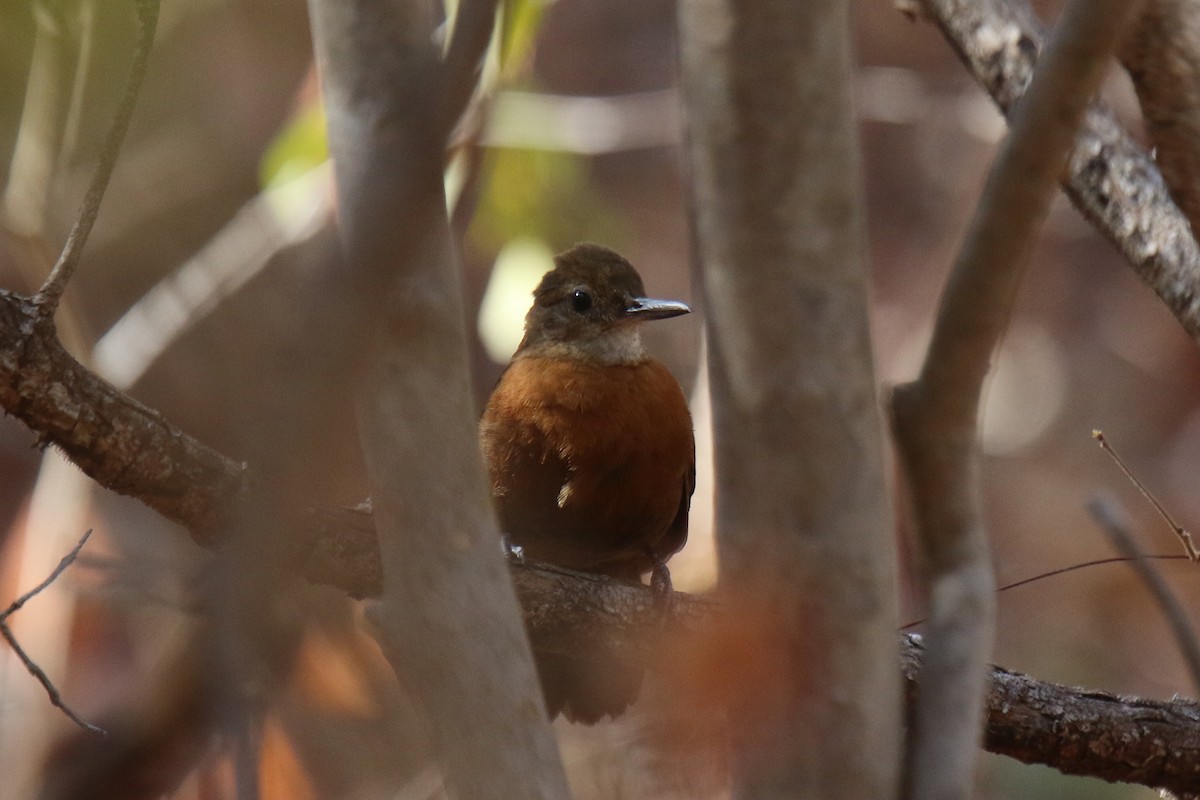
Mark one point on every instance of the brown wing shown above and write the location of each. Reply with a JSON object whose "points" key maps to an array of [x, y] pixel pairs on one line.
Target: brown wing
{"points": [[676, 536]]}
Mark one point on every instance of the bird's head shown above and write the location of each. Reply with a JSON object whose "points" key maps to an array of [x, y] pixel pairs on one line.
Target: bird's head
{"points": [[590, 306]]}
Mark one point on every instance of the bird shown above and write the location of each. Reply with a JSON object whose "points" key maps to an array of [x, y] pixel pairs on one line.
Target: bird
{"points": [[591, 453]]}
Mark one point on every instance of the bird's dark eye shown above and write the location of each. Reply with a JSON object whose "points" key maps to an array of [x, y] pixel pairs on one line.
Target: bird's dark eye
{"points": [[581, 301]]}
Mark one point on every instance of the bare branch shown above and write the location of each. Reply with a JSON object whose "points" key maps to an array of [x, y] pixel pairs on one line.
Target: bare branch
{"points": [[36, 671], [48, 296], [1110, 179], [935, 418], [1115, 525], [117, 441], [1083, 731], [337, 547], [801, 497], [1162, 54], [1185, 538], [448, 619], [463, 63]]}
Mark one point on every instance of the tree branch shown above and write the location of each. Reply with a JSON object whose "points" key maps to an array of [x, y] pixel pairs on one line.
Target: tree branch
{"points": [[448, 619], [1109, 515], [31, 665], [935, 418], [117, 441], [337, 547], [1110, 178], [1162, 54], [48, 296], [1084, 732], [806, 570]]}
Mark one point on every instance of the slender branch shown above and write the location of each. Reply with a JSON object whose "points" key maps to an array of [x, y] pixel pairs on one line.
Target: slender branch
{"points": [[935, 418], [1185, 538], [463, 62], [36, 671], [1110, 178], [1115, 525], [48, 296]]}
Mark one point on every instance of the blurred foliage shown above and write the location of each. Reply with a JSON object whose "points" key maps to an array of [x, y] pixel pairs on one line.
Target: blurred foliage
{"points": [[546, 196], [519, 24], [541, 195], [302, 145]]}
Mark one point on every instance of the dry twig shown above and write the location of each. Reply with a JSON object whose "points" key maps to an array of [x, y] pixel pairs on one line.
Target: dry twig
{"points": [[1113, 522], [37, 672], [1185, 538], [48, 296]]}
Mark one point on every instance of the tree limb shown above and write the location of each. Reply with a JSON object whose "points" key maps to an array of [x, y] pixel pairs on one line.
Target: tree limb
{"points": [[1162, 54], [1110, 178], [337, 547], [1085, 732], [448, 619], [812, 695], [935, 418]]}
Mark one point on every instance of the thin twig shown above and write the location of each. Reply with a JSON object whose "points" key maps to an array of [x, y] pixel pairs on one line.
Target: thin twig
{"points": [[463, 62], [1108, 514], [1063, 571], [30, 665], [48, 296], [1189, 545]]}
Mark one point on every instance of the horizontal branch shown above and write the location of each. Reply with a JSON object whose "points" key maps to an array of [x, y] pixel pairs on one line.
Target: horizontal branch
{"points": [[131, 449], [1085, 732]]}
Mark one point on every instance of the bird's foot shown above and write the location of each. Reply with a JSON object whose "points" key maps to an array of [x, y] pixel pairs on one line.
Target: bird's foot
{"points": [[660, 581], [513, 552], [662, 589]]}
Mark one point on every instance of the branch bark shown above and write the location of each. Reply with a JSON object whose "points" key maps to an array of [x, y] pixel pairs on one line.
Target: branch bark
{"points": [[1119, 739], [1162, 54], [1110, 178], [935, 418], [448, 618], [807, 565]]}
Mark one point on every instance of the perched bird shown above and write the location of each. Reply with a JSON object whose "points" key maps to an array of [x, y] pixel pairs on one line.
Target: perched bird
{"points": [[590, 451]]}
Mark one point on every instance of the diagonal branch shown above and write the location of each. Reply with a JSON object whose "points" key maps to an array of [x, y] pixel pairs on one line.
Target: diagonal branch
{"points": [[48, 296], [1162, 55], [1110, 178], [935, 417], [1115, 524], [31, 665]]}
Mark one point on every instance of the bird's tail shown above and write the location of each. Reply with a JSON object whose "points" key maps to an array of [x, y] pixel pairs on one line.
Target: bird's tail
{"points": [[587, 690]]}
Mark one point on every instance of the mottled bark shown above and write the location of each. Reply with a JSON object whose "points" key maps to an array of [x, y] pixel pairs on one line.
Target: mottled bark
{"points": [[448, 618], [1110, 178], [1162, 54], [806, 560]]}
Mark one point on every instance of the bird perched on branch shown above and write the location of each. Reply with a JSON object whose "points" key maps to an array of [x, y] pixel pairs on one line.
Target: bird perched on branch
{"points": [[590, 451]]}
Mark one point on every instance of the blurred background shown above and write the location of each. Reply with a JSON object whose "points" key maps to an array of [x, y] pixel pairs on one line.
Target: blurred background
{"points": [[219, 215]]}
